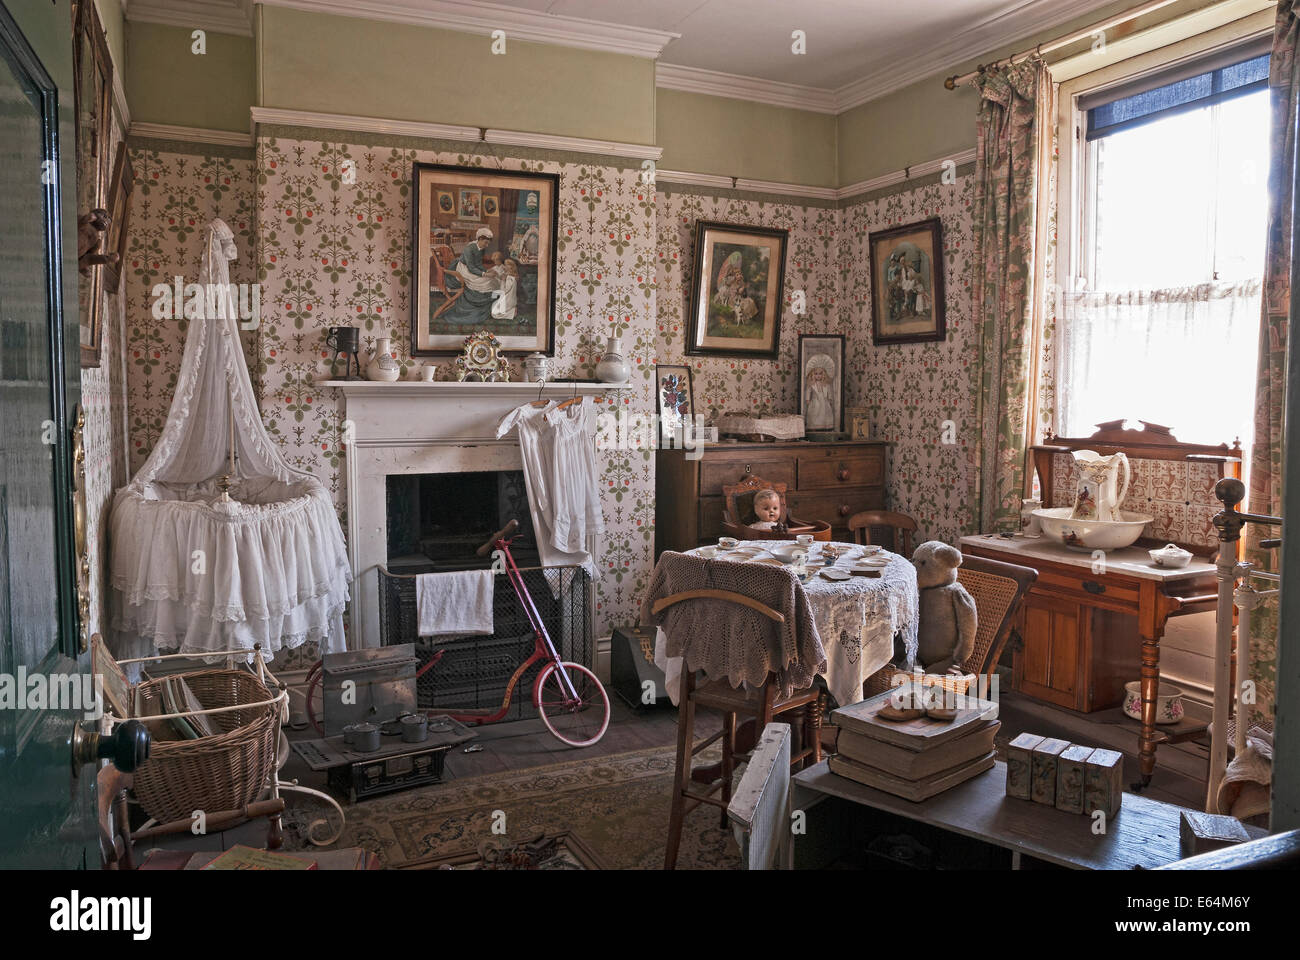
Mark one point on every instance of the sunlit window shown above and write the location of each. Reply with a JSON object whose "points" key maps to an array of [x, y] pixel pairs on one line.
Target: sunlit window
{"points": [[1173, 234]]}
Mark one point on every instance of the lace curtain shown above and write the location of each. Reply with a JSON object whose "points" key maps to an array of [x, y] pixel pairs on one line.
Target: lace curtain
{"points": [[1160, 352]]}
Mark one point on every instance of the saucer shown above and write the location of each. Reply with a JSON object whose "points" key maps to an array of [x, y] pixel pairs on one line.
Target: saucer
{"points": [[836, 574]]}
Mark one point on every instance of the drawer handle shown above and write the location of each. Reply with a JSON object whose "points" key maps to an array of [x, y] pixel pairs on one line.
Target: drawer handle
{"points": [[1092, 586], [844, 509], [843, 473]]}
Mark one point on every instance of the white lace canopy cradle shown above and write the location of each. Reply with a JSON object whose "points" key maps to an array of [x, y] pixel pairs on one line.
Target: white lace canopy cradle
{"points": [[194, 572]]}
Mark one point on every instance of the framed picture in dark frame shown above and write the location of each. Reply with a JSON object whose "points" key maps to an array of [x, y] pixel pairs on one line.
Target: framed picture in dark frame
{"points": [[472, 272], [736, 291], [821, 382], [675, 397], [119, 211], [907, 303]]}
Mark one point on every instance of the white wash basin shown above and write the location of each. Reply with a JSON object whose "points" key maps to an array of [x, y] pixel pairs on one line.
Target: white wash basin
{"points": [[1091, 534]]}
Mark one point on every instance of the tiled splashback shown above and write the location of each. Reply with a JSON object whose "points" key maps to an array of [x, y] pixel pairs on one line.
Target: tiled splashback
{"points": [[1177, 493]]}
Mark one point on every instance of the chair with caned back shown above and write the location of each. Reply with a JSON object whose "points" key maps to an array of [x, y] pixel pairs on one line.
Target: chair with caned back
{"points": [[998, 590], [868, 526]]}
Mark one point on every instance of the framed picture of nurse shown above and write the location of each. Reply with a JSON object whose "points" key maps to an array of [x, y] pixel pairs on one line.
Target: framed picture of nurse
{"points": [[907, 304], [821, 384], [485, 261]]}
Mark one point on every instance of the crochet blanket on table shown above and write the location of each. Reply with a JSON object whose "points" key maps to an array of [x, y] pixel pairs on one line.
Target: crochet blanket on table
{"points": [[726, 639]]}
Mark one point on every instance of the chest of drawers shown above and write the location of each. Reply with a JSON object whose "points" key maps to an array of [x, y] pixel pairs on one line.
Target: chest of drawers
{"points": [[824, 481]]}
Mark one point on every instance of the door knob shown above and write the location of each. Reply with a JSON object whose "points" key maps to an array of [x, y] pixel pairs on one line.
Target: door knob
{"points": [[843, 473], [127, 746], [844, 509]]}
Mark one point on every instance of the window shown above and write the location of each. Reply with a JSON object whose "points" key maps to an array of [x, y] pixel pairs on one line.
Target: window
{"points": [[1170, 257]]}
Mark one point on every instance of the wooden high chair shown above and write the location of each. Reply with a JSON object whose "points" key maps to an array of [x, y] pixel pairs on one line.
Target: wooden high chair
{"points": [[738, 504], [762, 703]]}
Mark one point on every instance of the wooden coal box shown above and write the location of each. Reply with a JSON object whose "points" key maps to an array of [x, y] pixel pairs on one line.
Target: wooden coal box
{"points": [[1043, 764], [1019, 753], [1071, 771], [1103, 785]]}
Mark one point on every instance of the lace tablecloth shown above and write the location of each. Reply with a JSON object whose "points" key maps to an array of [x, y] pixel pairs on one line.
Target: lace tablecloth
{"points": [[857, 618]]}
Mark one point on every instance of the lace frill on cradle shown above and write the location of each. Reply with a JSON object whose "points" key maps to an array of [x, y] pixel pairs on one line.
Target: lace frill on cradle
{"points": [[190, 577]]}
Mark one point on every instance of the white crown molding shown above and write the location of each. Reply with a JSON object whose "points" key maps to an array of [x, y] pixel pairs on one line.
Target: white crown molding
{"points": [[447, 131], [907, 173], [1029, 18], [471, 16], [672, 76], [547, 141], [219, 16], [170, 131]]}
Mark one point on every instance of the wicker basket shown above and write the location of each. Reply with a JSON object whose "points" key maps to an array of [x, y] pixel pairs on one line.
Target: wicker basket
{"points": [[221, 772]]}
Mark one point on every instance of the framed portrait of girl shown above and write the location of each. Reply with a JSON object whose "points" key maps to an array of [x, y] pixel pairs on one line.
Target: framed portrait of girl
{"points": [[821, 382]]}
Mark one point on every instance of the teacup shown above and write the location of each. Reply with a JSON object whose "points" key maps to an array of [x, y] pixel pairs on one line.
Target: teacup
{"points": [[805, 539], [871, 549], [728, 543], [708, 553], [429, 372]]}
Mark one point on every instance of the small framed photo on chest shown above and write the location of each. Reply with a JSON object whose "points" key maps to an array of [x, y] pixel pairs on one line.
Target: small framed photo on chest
{"points": [[821, 383]]}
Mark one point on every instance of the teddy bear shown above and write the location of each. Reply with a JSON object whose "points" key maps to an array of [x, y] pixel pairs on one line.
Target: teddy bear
{"points": [[946, 635]]}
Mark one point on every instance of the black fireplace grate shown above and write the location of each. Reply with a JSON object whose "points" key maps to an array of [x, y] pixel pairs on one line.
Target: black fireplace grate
{"points": [[475, 670]]}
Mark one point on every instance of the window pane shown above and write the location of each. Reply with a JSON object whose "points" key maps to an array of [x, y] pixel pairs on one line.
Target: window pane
{"points": [[1154, 213], [1242, 215]]}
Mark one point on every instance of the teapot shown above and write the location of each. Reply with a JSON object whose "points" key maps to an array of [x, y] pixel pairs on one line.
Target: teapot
{"points": [[1100, 491]]}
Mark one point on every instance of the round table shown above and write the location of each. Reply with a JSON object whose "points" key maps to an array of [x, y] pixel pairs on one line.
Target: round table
{"points": [[856, 618]]}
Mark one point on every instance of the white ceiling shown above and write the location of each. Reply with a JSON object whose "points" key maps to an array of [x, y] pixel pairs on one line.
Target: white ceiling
{"points": [[846, 39], [856, 49]]}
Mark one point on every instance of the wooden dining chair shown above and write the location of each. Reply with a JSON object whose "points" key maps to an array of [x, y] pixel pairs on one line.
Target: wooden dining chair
{"points": [[865, 525], [762, 704], [999, 591]]}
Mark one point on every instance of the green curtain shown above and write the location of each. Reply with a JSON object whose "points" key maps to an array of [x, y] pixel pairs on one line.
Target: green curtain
{"points": [[1014, 147], [1270, 390]]}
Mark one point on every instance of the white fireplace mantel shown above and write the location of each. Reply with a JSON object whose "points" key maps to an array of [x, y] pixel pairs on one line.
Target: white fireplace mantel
{"points": [[414, 427]]}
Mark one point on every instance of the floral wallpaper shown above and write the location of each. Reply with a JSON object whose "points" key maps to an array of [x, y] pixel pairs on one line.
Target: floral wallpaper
{"points": [[176, 194], [331, 252], [729, 385], [104, 401], [335, 252], [912, 390]]}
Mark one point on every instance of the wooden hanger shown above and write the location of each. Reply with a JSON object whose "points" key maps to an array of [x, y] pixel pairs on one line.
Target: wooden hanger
{"points": [[539, 402], [709, 593]]}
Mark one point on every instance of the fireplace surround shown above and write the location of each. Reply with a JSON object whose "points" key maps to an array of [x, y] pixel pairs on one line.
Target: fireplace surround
{"points": [[411, 428]]}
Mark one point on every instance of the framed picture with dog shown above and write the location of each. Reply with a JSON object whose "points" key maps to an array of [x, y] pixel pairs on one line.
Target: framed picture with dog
{"points": [[736, 291], [483, 258]]}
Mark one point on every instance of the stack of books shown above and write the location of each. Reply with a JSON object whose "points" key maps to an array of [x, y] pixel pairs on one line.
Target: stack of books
{"points": [[914, 759]]}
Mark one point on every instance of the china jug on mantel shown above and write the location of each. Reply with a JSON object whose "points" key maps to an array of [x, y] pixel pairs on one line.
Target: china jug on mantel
{"points": [[1100, 491]]}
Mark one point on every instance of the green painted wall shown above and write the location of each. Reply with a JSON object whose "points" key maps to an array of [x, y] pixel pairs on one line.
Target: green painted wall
{"points": [[331, 64], [110, 15], [925, 121], [167, 83], [736, 138]]}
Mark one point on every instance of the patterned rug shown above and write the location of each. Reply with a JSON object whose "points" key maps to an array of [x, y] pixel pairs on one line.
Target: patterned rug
{"points": [[617, 805]]}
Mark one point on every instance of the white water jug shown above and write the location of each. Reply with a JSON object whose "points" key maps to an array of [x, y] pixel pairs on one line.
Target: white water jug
{"points": [[1100, 490]]}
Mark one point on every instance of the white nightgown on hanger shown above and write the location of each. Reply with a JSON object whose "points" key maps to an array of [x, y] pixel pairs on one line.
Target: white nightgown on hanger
{"points": [[578, 521], [537, 445]]}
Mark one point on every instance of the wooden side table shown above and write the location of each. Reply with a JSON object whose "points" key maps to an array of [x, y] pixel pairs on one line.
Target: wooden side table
{"points": [[1068, 663]]}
